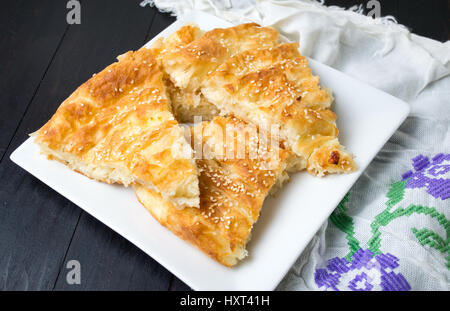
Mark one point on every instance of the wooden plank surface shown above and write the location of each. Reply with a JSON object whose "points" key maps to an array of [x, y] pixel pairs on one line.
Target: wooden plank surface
{"points": [[109, 261], [30, 36], [45, 59], [39, 227]]}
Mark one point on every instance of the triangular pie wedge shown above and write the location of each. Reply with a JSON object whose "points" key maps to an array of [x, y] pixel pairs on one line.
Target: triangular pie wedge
{"points": [[118, 128], [274, 87], [232, 190]]}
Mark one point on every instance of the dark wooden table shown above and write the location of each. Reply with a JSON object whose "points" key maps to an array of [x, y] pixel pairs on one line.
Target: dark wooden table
{"points": [[42, 60]]}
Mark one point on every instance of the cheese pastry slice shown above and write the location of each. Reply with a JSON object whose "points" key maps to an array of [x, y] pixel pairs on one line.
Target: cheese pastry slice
{"points": [[275, 87], [186, 105], [188, 64], [118, 128], [232, 190], [189, 54]]}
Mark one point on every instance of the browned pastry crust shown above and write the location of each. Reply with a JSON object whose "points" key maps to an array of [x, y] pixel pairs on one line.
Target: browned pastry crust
{"points": [[232, 191], [188, 65], [186, 105], [118, 128], [175, 41], [243, 71], [275, 87]]}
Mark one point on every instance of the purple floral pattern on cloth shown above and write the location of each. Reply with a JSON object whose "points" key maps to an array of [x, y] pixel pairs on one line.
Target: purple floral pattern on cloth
{"points": [[365, 272], [430, 174], [371, 269]]}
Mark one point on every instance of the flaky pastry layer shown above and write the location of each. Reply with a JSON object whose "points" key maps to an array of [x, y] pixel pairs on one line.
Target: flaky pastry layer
{"points": [[118, 128], [232, 191]]}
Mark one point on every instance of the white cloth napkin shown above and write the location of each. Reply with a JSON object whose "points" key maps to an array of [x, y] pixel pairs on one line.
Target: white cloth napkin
{"points": [[392, 232]]}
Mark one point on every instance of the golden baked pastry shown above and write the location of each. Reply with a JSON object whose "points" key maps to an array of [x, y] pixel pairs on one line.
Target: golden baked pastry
{"points": [[122, 126], [175, 41], [189, 54], [232, 190], [118, 128], [186, 105], [188, 64], [274, 87], [242, 70]]}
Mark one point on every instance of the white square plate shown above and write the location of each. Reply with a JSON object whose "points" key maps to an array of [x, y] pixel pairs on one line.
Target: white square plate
{"points": [[367, 119]]}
